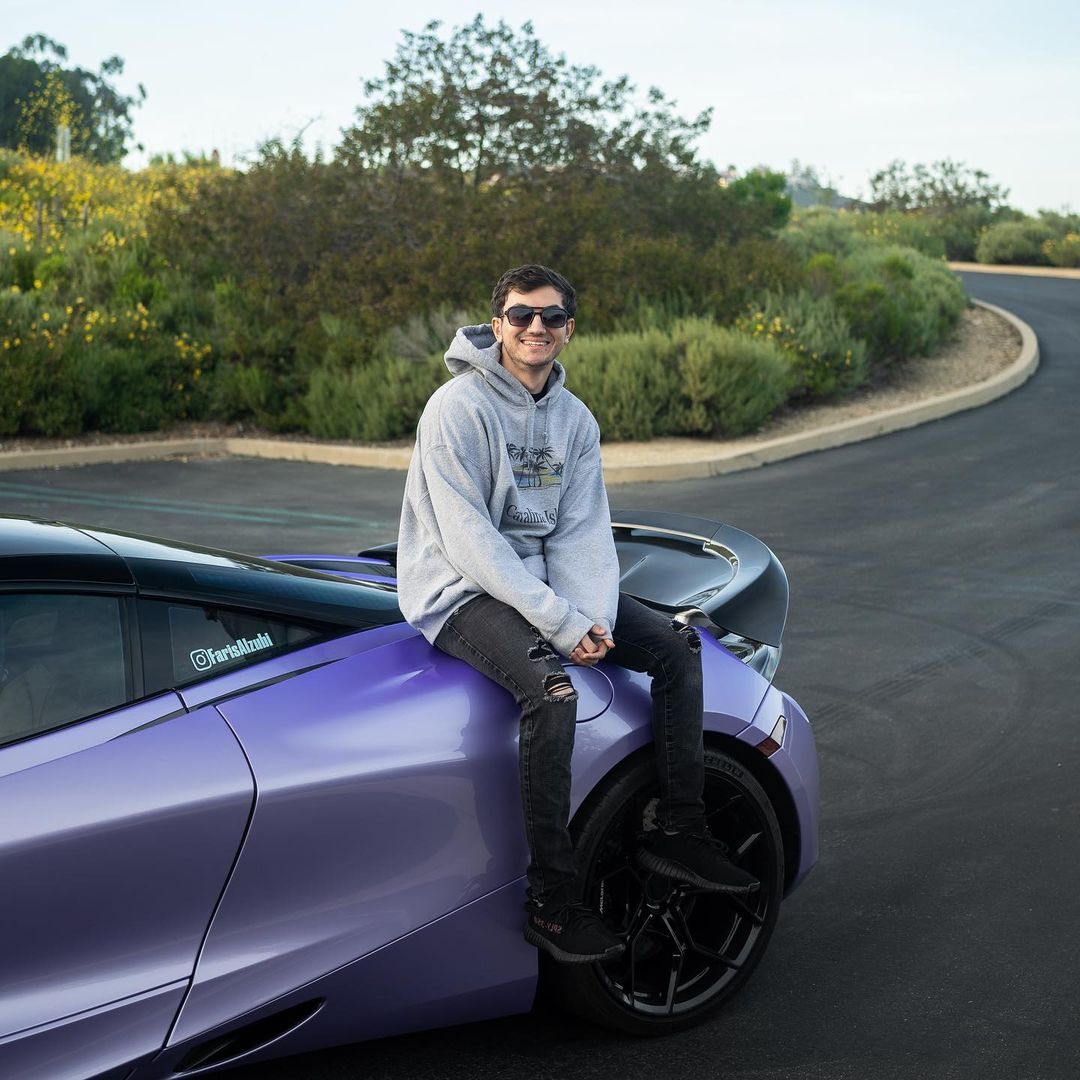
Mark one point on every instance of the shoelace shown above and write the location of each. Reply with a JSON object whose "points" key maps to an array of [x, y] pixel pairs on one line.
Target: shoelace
{"points": [[709, 841]]}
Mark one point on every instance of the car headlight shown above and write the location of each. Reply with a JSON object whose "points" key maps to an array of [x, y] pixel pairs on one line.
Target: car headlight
{"points": [[763, 658]]}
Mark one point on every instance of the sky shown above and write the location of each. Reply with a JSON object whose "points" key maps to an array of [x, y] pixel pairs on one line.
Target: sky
{"points": [[846, 87]]}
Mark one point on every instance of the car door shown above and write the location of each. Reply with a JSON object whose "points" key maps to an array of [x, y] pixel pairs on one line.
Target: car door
{"points": [[120, 818]]}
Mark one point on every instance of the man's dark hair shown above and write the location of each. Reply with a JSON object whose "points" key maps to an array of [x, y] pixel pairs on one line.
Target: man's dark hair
{"points": [[525, 279]]}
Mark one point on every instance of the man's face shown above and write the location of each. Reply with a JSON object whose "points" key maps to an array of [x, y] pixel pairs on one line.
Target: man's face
{"points": [[528, 350]]}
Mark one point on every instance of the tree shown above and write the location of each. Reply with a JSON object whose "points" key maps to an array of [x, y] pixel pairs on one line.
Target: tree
{"points": [[762, 197], [943, 187], [38, 92], [491, 103], [807, 187], [957, 204]]}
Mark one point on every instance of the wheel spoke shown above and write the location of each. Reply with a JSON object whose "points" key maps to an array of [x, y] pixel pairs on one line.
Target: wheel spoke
{"points": [[676, 937], [737, 902], [702, 950], [638, 921], [726, 805], [728, 898], [747, 844], [631, 948], [677, 959]]}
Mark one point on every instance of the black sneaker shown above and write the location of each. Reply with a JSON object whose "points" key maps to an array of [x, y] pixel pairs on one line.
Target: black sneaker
{"points": [[572, 935], [694, 858]]}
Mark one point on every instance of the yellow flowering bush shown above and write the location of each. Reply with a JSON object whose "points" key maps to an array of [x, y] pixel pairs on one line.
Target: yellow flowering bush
{"points": [[1064, 250], [96, 331], [826, 356], [43, 202]]}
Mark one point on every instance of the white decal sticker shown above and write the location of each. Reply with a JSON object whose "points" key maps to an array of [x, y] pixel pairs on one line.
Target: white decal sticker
{"points": [[204, 659]]}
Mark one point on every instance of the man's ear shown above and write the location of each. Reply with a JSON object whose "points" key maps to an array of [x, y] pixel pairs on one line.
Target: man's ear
{"points": [[496, 329], [569, 329]]}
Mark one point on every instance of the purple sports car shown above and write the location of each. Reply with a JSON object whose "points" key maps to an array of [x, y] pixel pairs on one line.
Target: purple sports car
{"points": [[248, 811]]}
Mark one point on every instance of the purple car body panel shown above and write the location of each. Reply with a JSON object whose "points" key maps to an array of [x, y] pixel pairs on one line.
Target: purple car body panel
{"points": [[797, 764], [115, 848], [472, 964], [86, 1045], [390, 778]]}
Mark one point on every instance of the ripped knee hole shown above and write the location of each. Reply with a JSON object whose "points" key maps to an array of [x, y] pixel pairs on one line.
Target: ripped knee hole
{"points": [[690, 633], [558, 687]]}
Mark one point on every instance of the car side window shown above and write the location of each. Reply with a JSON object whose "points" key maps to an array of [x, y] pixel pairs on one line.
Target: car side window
{"points": [[62, 658], [183, 642]]}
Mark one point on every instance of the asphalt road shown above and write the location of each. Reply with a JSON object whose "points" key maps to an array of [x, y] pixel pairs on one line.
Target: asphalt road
{"points": [[934, 640]]}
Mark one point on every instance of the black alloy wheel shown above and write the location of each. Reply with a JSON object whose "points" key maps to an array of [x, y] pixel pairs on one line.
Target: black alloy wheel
{"points": [[687, 949]]}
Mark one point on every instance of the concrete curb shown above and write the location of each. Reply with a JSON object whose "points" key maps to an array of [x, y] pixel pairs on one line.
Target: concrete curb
{"points": [[714, 459], [369, 457], [109, 453], [1026, 271]]}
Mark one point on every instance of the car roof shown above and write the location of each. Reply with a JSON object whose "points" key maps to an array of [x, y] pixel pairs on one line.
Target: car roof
{"points": [[36, 551]]}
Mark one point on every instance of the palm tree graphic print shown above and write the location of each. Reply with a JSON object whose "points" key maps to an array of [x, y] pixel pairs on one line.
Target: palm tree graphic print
{"points": [[534, 466]]}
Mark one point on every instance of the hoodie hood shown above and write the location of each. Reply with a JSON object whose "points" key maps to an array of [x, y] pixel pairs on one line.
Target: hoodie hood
{"points": [[474, 348]]}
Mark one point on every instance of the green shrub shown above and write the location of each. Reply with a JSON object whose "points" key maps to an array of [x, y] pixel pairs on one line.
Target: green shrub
{"points": [[730, 383], [122, 390], [1063, 251], [826, 357], [898, 301], [241, 392], [961, 228], [382, 400], [17, 265], [915, 230], [53, 269], [628, 380], [698, 379], [843, 232], [821, 230], [37, 395], [69, 368], [420, 336], [1017, 243], [135, 286]]}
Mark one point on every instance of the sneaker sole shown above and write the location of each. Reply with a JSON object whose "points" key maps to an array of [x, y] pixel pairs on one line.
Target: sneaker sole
{"points": [[533, 937], [678, 872]]}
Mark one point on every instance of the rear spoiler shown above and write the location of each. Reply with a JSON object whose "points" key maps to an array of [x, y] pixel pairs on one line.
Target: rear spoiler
{"points": [[679, 562]]}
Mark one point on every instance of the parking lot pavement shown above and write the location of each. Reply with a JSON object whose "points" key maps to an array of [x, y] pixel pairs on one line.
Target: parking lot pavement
{"points": [[234, 503]]}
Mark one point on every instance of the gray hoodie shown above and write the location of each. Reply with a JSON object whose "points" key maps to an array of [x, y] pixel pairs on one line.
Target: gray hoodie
{"points": [[505, 496]]}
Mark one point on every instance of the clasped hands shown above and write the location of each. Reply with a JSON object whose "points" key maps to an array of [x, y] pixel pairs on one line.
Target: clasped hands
{"points": [[593, 647]]}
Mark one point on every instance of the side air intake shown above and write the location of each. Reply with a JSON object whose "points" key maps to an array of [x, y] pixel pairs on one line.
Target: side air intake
{"points": [[246, 1039]]}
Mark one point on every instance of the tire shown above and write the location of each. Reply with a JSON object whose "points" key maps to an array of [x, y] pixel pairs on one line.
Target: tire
{"points": [[688, 949]]}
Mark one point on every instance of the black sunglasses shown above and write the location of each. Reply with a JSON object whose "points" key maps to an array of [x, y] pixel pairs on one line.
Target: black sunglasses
{"points": [[520, 315]]}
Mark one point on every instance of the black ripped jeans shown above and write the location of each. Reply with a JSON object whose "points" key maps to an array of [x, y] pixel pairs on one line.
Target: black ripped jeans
{"points": [[497, 641]]}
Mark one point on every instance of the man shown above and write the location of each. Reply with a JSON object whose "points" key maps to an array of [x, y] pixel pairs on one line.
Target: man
{"points": [[506, 559]]}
